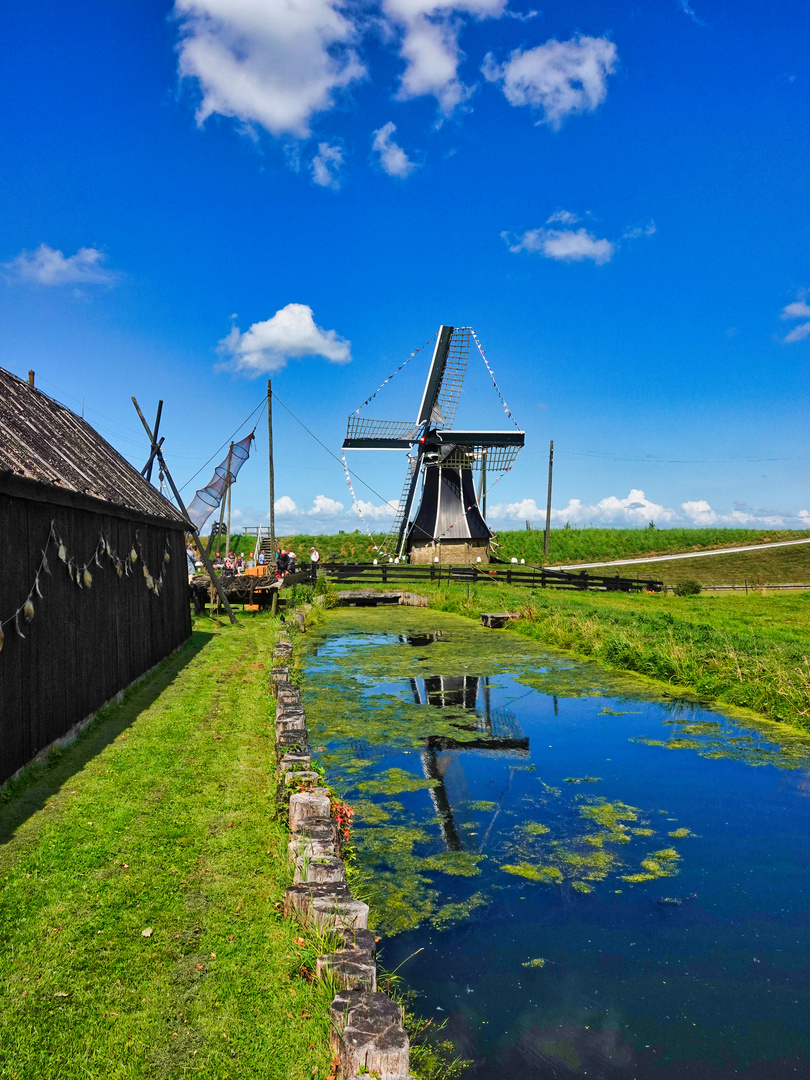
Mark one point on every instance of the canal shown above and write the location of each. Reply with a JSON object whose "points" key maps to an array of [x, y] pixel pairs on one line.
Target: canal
{"points": [[579, 878]]}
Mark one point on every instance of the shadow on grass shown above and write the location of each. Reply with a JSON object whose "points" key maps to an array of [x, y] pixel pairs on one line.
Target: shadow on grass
{"points": [[28, 792]]}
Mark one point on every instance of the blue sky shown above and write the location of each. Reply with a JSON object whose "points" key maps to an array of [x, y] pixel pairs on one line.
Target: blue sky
{"points": [[199, 196]]}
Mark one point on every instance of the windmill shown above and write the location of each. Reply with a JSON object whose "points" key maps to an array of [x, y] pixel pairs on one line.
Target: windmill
{"points": [[448, 523]]}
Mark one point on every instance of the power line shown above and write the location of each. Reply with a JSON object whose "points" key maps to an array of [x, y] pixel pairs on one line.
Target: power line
{"points": [[604, 456], [326, 448], [262, 405]]}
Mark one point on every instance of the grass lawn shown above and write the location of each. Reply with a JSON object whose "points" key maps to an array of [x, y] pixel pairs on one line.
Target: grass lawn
{"points": [[567, 545], [772, 565], [159, 819]]}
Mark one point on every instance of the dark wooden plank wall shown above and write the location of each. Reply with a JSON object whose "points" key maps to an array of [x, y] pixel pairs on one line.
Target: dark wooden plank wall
{"points": [[83, 645]]}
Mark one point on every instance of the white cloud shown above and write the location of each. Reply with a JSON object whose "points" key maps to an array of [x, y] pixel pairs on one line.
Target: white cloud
{"points": [[639, 231], [323, 506], [637, 510], [562, 217], [285, 505], [698, 512], [430, 30], [290, 334], [565, 245], [799, 309], [47, 266], [393, 158], [326, 165], [687, 9], [559, 78], [371, 512], [266, 62]]}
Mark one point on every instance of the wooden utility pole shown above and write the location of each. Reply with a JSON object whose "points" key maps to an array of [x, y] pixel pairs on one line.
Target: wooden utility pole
{"points": [[272, 478], [181, 506], [548, 502], [228, 491]]}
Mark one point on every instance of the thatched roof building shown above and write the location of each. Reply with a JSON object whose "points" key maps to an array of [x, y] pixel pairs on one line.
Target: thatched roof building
{"points": [[93, 585]]}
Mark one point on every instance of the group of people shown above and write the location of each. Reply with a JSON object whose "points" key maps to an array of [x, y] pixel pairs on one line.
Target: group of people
{"points": [[285, 561]]}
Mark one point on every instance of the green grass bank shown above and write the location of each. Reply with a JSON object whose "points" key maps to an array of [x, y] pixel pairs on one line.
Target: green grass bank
{"points": [[141, 875], [566, 545]]}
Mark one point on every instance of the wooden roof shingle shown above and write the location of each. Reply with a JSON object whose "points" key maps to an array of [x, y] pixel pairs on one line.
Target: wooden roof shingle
{"points": [[44, 441]]}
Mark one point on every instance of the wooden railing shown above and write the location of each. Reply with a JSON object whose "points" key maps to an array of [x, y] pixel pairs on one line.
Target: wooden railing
{"points": [[501, 573]]}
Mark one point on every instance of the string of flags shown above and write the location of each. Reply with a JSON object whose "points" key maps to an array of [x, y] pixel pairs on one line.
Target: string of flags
{"points": [[390, 377], [492, 376], [355, 503], [81, 573]]}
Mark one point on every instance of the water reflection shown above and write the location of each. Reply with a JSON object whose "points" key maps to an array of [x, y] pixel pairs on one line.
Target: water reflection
{"points": [[588, 901], [496, 731]]}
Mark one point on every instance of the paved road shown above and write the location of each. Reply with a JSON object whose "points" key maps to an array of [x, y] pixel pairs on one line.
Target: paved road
{"points": [[684, 555]]}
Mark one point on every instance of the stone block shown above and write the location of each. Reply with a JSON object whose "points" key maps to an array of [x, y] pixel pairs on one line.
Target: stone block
{"points": [[290, 722], [300, 898], [305, 805], [319, 869], [289, 762], [349, 970], [360, 940], [336, 913], [347, 1003], [291, 741], [367, 1035]]}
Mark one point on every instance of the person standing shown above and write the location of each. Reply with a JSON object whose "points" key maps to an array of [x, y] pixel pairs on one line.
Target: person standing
{"points": [[191, 562]]}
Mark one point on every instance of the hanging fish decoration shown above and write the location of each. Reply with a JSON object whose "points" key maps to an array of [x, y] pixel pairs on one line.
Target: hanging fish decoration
{"points": [[78, 576], [17, 624], [28, 610], [167, 557], [146, 571], [98, 564], [150, 581], [87, 578], [133, 556], [63, 552], [45, 566], [36, 586], [119, 567]]}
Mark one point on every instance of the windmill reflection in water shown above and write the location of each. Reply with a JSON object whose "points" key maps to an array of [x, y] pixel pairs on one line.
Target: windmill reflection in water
{"points": [[496, 731]]}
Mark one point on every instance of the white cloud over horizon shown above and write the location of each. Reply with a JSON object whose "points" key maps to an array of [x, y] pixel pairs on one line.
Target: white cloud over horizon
{"points": [[49, 266], [635, 510], [557, 79], [290, 334]]}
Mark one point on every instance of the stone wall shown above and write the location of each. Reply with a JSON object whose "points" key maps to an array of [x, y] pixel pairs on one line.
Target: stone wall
{"points": [[451, 551], [367, 1033]]}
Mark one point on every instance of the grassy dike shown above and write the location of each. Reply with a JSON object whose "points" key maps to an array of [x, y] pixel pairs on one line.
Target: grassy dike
{"points": [[749, 651], [141, 877]]}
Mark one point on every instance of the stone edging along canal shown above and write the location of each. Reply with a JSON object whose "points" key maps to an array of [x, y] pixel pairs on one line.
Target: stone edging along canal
{"points": [[367, 1035]]}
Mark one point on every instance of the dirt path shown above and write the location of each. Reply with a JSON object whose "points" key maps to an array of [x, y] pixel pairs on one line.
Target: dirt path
{"points": [[683, 555]]}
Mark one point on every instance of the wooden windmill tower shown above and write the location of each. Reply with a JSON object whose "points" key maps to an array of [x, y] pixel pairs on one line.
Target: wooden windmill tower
{"points": [[448, 524]]}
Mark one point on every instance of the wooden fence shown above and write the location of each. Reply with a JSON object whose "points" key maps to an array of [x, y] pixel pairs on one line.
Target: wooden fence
{"points": [[533, 577]]}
